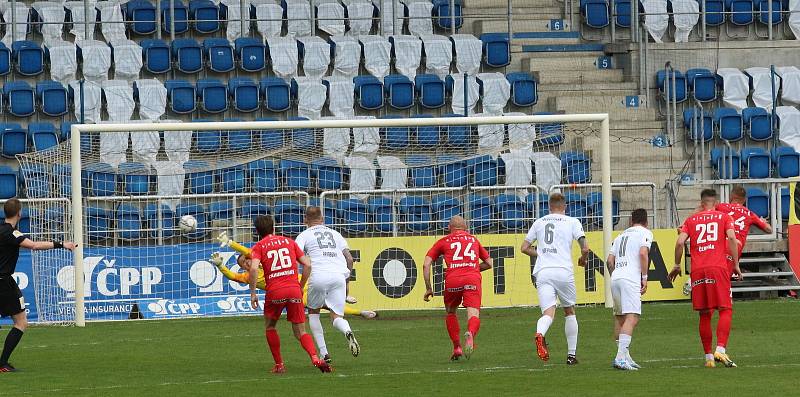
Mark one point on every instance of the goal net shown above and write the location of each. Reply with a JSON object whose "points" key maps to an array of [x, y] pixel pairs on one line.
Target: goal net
{"points": [[388, 185]]}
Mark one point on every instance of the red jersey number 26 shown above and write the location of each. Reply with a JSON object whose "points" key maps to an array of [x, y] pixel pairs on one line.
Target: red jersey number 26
{"points": [[469, 252], [707, 232], [280, 259]]}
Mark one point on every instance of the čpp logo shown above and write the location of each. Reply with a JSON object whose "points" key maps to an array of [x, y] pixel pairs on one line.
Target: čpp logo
{"points": [[111, 278], [163, 307], [235, 304], [206, 276]]}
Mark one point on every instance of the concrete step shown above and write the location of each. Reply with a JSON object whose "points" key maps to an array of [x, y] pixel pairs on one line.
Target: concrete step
{"points": [[545, 77], [553, 48], [578, 62], [538, 21]]}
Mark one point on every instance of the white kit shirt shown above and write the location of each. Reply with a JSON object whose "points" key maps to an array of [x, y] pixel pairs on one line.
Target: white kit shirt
{"points": [[324, 247], [554, 234], [625, 249]]}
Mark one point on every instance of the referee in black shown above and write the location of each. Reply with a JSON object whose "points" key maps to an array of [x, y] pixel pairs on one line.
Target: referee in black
{"points": [[11, 301]]}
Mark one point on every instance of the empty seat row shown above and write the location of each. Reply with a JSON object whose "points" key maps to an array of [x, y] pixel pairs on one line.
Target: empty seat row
{"points": [[14, 139], [756, 163], [728, 124]]}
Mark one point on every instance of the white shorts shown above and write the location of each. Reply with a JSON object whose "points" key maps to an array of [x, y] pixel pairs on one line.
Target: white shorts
{"points": [[555, 283], [627, 297], [329, 290]]}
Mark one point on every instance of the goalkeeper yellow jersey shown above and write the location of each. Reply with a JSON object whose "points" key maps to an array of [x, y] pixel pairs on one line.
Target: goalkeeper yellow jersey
{"points": [[244, 278]]}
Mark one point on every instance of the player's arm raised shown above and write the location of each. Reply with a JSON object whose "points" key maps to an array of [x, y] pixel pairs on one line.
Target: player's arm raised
{"points": [[255, 263], [46, 245], [679, 244], [306, 262], [426, 275], [644, 259]]}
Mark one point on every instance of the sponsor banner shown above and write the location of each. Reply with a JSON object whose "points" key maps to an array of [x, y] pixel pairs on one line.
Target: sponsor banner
{"points": [[24, 278]]}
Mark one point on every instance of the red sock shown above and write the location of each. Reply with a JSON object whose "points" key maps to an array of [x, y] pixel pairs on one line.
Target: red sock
{"points": [[724, 327], [308, 344], [453, 329], [274, 343], [473, 325], [705, 330]]}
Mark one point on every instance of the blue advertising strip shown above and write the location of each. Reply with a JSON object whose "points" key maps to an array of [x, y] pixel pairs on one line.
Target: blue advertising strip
{"points": [[24, 278]]}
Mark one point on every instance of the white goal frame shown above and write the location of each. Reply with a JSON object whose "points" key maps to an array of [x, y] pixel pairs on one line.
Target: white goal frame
{"points": [[78, 129]]}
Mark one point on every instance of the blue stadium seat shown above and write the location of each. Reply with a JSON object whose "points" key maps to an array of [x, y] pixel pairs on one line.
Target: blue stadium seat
{"points": [[399, 91], [523, 89], [416, 212], [786, 161], [741, 11], [207, 141], [232, 179], [181, 16], [135, 178], [576, 166], [188, 55], [457, 135], [98, 223], [762, 7], [243, 92], [221, 211], [204, 15], [426, 137], [721, 160], [441, 12], [430, 91], [13, 139], [445, 207], [156, 56], [262, 175], [28, 56], [576, 206], [549, 134], [159, 220], [251, 54], [52, 97], [200, 179], [595, 13], [537, 205], [785, 205], [594, 203], [702, 83], [5, 60], [676, 84], [395, 138], [480, 212], [141, 16], [240, 140], [353, 212], [454, 171], [295, 174], [622, 10], [252, 209], [328, 172], [8, 182], [729, 124], [758, 201], [693, 130], [483, 170], [302, 138], [42, 135], [368, 92], [101, 178], [422, 171], [63, 180], [271, 139], [128, 222], [381, 214], [496, 49], [199, 213], [20, 97], [276, 94], [212, 95], [219, 54], [289, 217], [758, 122], [181, 95], [36, 180], [510, 210], [757, 162], [715, 12]]}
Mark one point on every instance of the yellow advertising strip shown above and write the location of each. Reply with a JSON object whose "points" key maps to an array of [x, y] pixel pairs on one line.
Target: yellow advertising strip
{"points": [[388, 272], [793, 219]]}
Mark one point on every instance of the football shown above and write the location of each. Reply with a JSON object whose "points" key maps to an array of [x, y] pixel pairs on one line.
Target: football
{"points": [[187, 224]]}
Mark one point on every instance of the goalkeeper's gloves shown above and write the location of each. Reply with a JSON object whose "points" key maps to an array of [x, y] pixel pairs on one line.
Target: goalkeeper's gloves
{"points": [[216, 259]]}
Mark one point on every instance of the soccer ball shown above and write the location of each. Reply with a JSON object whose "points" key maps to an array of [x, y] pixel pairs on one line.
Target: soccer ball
{"points": [[187, 224]]}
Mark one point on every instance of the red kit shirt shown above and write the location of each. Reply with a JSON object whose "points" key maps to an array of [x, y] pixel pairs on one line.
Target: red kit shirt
{"points": [[743, 218], [707, 238], [278, 256], [462, 253]]}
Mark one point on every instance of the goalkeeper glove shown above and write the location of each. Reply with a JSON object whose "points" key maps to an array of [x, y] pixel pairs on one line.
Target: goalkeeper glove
{"points": [[216, 259]]}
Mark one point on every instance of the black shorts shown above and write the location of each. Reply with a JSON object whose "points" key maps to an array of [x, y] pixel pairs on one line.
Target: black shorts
{"points": [[11, 300]]}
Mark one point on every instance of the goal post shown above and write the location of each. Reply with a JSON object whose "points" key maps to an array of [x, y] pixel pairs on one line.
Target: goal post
{"points": [[595, 126]]}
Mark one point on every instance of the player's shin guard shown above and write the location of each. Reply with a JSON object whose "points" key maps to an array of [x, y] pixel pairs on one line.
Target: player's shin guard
{"points": [[318, 332], [473, 325], [308, 345], [453, 329], [274, 343], [705, 331], [724, 327], [571, 330], [12, 340], [543, 324]]}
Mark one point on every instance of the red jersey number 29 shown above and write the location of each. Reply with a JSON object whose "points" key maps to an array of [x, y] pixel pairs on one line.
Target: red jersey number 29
{"points": [[707, 232], [280, 259], [468, 251]]}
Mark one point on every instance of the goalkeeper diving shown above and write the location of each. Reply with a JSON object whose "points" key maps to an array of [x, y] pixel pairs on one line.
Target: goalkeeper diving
{"points": [[244, 263]]}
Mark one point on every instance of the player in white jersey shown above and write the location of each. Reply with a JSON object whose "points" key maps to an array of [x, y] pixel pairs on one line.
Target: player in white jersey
{"points": [[554, 273], [628, 263], [327, 286]]}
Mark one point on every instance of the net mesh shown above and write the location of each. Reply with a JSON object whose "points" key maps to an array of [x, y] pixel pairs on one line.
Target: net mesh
{"points": [[390, 191]]}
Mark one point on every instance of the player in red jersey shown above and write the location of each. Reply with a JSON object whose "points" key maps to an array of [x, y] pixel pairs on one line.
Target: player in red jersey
{"points": [[706, 232], [743, 218], [278, 256], [466, 259]]}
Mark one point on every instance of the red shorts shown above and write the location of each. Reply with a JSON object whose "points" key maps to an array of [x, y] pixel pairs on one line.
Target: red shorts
{"points": [[711, 288], [290, 299], [466, 290]]}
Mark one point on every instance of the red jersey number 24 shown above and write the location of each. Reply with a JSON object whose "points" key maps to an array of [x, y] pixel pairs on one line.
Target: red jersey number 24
{"points": [[469, 252], [707, 232]]}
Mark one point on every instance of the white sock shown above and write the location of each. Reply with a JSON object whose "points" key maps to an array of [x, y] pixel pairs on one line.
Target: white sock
{"points": [[709, 357], [543, 324], [342, 325], [571, 329], [622, 346], [720, 349], [318, 333]]}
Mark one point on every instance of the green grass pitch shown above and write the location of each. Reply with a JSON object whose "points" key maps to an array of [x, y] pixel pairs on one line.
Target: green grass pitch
{"points": [[406, 354]]}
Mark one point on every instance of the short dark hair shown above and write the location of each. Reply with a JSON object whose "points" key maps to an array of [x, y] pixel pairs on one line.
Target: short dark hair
{"points": [[313, 213], [639, 216], [557, 200], [265, 225], [738, 192], [708, 193], [12, 207]]}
